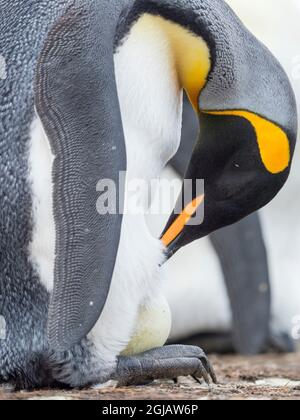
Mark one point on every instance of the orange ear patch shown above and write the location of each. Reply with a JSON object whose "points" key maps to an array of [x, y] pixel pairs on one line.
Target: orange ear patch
{"points": [[178, 225], [272, 141]]}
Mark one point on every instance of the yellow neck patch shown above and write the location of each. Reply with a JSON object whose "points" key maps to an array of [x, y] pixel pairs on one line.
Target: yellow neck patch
{"points": [[192, 59], [272, 141], [190, 54]]}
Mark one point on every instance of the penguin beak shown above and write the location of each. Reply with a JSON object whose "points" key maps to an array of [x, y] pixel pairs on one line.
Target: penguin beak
{"points": [[176, 228]]}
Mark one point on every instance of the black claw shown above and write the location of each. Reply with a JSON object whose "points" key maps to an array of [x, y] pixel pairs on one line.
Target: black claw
{"points": [[197, 379], [210, 369], [204, 374], [201, 373], [213, 375]]}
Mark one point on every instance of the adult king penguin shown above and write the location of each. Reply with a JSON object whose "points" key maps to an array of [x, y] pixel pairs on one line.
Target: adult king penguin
{"points": [[106, 80]]}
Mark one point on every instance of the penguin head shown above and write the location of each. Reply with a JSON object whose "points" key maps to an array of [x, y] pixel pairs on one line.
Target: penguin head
{"points": [[248, 128]]}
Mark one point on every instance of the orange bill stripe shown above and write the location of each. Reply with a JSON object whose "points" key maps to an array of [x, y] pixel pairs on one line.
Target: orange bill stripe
{"points": [[178, 225]]}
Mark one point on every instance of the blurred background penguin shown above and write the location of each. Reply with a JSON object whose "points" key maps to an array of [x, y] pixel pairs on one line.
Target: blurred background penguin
{"points": [[239, 290]]}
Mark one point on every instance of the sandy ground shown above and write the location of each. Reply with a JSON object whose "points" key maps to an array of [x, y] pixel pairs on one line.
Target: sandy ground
{"points": [[270, 377]]}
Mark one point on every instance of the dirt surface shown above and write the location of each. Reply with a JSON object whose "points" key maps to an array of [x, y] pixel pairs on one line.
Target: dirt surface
{"points": [[269, 377]]}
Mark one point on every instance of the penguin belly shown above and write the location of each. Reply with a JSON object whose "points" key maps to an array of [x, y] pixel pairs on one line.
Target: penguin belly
{"points": [[42, 246], [136, 317], [152, 329]]}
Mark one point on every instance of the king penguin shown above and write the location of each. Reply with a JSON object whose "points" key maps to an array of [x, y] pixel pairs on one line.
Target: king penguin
{"points": [[93, 90]]}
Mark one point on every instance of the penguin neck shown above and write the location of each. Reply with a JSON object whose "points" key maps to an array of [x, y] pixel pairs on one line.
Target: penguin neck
{"points": [[151, 112]]}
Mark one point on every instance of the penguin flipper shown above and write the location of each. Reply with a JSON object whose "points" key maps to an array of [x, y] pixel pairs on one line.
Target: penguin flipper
{"points": [[76, 100]]}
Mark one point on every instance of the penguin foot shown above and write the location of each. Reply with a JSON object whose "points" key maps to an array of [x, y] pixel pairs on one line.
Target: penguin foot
{"points": [[167, 362]]}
